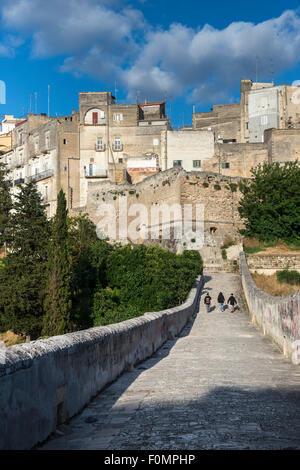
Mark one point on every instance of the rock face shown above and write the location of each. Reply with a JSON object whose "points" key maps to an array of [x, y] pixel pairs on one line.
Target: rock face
{"points": [[45, 382]]}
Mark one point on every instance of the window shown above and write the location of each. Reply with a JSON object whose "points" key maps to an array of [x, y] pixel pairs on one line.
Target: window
{"points": [[117, 145], [95, 118], [99, 143], [65, 141], [225, 165], [247, 125], [46, 193], [36, 144], [91, 169], [264, 120], [177, 162], [196, 163], [155, 142], [120, 160], [118, 117]]}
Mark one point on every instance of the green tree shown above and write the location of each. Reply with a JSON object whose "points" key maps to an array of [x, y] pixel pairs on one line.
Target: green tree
{"points": [[271, 202], [23, 278], [5, 202], [58, 303], [82, 234]]}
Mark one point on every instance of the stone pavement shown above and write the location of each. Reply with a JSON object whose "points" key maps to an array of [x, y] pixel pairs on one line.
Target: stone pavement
{"points": [[220, 385]]}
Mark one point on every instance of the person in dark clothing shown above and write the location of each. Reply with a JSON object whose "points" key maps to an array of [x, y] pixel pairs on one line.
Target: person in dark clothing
{"points": [[232, 302], [221, 300], [207, 301]]}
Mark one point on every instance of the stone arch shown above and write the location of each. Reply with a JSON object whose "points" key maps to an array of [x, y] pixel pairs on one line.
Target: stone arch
{"points": [[94, 116]]}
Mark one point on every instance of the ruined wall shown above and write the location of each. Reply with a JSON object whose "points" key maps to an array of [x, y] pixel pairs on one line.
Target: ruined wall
{"points": [[45, 382], [279, 318], [283, 145]]}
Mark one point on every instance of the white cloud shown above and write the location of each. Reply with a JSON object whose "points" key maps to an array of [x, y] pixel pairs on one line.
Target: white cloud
{"points": [[209, 63], [109, 40]]}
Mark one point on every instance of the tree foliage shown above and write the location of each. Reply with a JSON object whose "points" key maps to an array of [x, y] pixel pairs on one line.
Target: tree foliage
{"points": [[58, 302], [23, 279], [5, 202], [271, 202]]}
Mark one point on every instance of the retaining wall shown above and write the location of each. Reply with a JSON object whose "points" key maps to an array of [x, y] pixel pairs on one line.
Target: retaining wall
{"points": [[45, 382], [278, 317]]}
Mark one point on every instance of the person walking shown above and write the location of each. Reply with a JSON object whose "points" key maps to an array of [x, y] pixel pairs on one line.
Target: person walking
{"points": [[207, 301], [221, 300], [232, 302]]}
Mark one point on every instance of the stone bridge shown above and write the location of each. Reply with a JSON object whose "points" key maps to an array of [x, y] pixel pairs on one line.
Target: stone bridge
{"points": [[219, 384]]}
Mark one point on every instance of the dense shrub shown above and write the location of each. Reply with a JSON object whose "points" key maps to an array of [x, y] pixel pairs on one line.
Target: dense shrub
{"points": [[290, 277], [144, 279]]}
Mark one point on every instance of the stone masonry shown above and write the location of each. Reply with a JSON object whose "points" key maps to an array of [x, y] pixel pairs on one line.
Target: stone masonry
{"points": [[219, 385]]}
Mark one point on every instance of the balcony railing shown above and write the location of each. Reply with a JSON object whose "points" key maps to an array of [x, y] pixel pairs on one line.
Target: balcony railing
{"points": [[19, 181], [96, 174], [118, 148], [40, 176], [100, 148]]}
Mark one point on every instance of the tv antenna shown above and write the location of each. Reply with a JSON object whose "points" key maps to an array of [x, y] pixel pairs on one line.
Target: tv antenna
{"points": [[256, 68], [272, 70]]}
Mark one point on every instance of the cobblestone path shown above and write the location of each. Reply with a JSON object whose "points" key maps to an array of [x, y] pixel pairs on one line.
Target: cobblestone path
{"points": [[220, 385]]}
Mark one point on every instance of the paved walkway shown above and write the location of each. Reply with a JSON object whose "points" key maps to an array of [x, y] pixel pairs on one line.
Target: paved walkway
{"points": [[220, 385]]}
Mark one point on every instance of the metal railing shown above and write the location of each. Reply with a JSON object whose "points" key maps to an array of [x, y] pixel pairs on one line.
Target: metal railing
{"points": [[96, 174], [19, 181], [100, 148], [118, 148], [40, 176]]}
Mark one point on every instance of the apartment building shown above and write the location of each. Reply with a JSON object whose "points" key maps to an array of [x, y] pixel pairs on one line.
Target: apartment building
{"points": [[118, 139], [45, 152]]}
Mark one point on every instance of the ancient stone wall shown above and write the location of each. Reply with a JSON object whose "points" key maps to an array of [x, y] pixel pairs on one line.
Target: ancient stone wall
{"points": [[217, 195], [279, 318], [270, 263], [45, 382]]}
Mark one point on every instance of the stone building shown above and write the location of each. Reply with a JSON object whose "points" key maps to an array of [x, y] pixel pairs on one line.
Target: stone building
{"points": [[223, 120], [6, 132], [116, 136], [44, 152], [189, 149], [266, 106]]}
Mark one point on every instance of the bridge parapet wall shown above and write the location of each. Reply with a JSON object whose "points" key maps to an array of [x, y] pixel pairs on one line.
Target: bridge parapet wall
{"points": [[278, 317], [45, 382]]}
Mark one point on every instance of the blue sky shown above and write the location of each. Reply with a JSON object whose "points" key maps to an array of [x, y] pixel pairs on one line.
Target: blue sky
{"points": [[190, 52]]}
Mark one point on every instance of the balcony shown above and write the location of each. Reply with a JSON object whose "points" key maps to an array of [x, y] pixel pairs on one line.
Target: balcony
{"points": [[40, 176], [118, 148], [96, 174], [19, 181], [99, 148]]}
